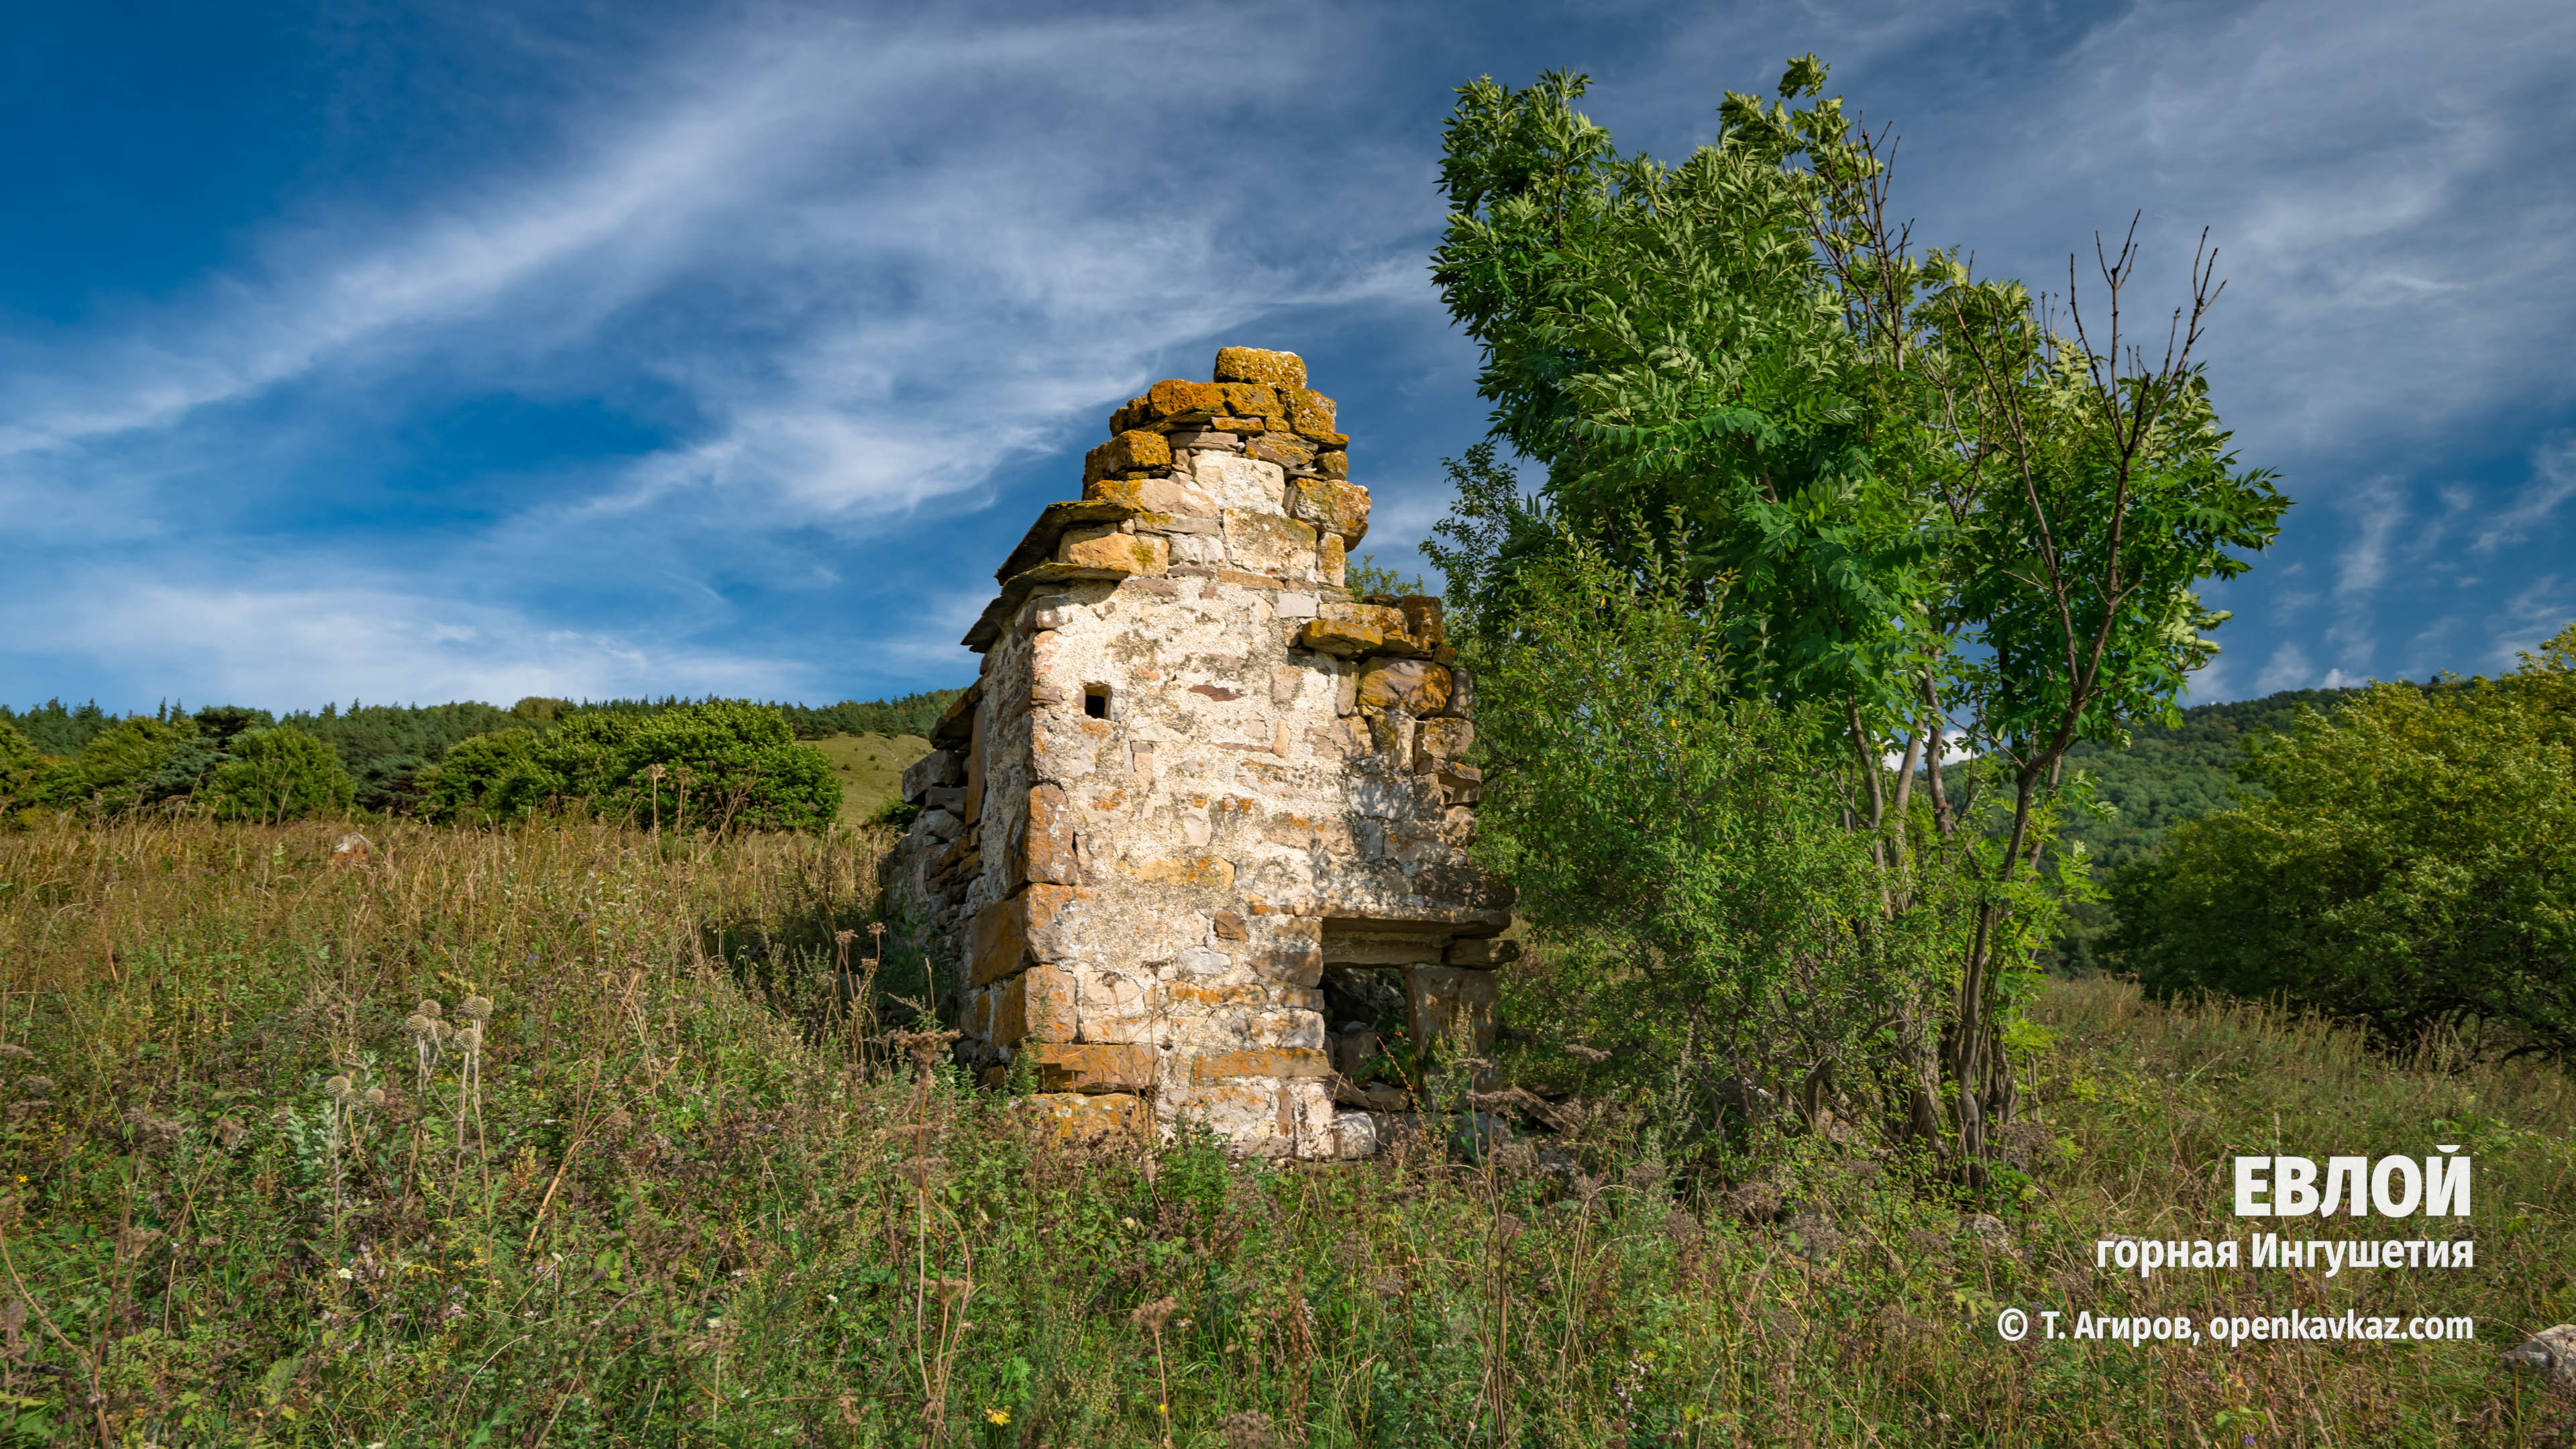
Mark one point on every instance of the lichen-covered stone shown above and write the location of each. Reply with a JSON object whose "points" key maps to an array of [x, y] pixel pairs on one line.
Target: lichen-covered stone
{"points": [[1254, 364], [1130, 452], [1091, 1067], [1333, 463], [1285, 449], [1107, 548], [1080, 1120], [1172, 810], [1311, 414], [1332, 505], [1269, 543], [1251, 400], [1172, 401], [1414, 686], [1345, 638], [1177, 496]]}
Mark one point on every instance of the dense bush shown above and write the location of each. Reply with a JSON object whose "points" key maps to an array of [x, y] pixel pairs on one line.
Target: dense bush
{"points": [[713, 766], [279, 774], [2413, 861]]}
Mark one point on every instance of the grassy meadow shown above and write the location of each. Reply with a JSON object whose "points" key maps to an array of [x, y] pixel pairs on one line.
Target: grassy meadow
{"points": [[870, 768], [652, 1178]]}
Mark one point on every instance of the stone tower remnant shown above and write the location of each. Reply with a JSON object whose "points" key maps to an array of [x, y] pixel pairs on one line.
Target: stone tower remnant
{"points": [[1198, 783]]}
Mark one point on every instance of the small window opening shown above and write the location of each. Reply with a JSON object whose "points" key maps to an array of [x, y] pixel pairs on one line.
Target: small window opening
{"points": [[1095, 700]]}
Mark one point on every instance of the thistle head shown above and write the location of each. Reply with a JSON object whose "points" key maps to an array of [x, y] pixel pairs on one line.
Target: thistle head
{"points": [[477, 1007], [339, 1087], [430, 1008]]}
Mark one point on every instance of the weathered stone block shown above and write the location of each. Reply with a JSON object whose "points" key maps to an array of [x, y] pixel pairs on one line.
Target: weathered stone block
{"points": [[1070, 1067], [1311, 413], [1285, 449], [1041, 923], [1269, 543], [1107, 548], [1332, 505], [1038, 1003], [1411, 685], [1079, 1120], [1252, 400], [1267, 1062], [1438, 741], [1422, 619], [1171, 495], [1046, 842], [1234, 481], [938, 768], [1334, 463], [1255, 364], [1200, 872], [1347, 638], [1134, 451], [1460, 784], [1173, 399], [1450, 1004], [1332, 560], [1483, 953], [1354, 1136]]}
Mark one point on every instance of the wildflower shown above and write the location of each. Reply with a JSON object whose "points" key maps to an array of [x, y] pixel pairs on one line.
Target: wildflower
{"points": [[997, 1416], [344, 1275]]}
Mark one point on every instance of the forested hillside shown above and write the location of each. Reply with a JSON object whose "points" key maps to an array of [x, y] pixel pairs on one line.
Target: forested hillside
{"points": [[2183, 772]]}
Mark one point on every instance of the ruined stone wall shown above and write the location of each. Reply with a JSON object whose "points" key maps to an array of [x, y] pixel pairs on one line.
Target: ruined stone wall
{"points": [[1196, 775]]}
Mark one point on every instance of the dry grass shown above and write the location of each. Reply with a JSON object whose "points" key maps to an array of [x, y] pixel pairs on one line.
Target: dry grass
{"points": [[693, 1200]]}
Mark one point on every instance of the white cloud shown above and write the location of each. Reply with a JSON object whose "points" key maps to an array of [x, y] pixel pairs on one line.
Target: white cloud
{"points": [[288, 647], [2553, 481], [2288, 668]]}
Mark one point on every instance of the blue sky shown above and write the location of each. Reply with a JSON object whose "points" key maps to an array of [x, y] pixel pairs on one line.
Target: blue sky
{"points": [[433, 352]]}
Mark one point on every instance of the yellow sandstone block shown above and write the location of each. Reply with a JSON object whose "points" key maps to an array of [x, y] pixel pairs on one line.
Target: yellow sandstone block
{"points": [[1255, 364], [1415, 686], [1133, 451], [1333, 505], [1311, 413], [1036, 1003], [1107, 548]]}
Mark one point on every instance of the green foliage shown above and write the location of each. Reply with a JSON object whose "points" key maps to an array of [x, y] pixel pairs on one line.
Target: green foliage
{"points": [[1363, 577], [713, 766], [2165, 774], [19, 767], [2413, 862], [1906, 505], [1700, 910], [281, 774]]}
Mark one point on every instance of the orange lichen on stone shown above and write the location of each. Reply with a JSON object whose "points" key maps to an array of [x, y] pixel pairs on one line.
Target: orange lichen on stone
{"points": [[1333, 505], [1311, 413], [1255, 364], [1285, 449], [1133, 451], [1067, 1067], [1107, 548], [1411, 685], [1077, 1119], [1275, 1062], [1334, 463]]}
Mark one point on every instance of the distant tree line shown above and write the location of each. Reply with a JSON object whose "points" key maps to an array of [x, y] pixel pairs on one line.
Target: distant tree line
{"points": [[673, 762]]}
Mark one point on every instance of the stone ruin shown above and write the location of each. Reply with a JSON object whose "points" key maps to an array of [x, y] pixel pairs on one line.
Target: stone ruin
{"points": [[1198, 830]]}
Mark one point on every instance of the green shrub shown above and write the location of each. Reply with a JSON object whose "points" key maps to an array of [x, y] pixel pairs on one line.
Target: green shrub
{"points": [[2414, 863], [19, 767], [720, 765], [279, 774]]}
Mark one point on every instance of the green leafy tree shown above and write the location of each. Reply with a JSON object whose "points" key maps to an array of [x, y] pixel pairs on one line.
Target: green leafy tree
{"points": [[2412, 860], [713, 766], [20, 767], [278, 774], [1910, 506], [1679, 847]]}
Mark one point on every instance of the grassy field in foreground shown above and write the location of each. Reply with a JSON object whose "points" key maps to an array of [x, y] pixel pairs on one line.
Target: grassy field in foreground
{"points": [[673, 1196], [871, 769]]}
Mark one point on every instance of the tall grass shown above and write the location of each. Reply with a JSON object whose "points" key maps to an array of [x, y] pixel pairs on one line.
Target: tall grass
{"points": [[699, 1182]]}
